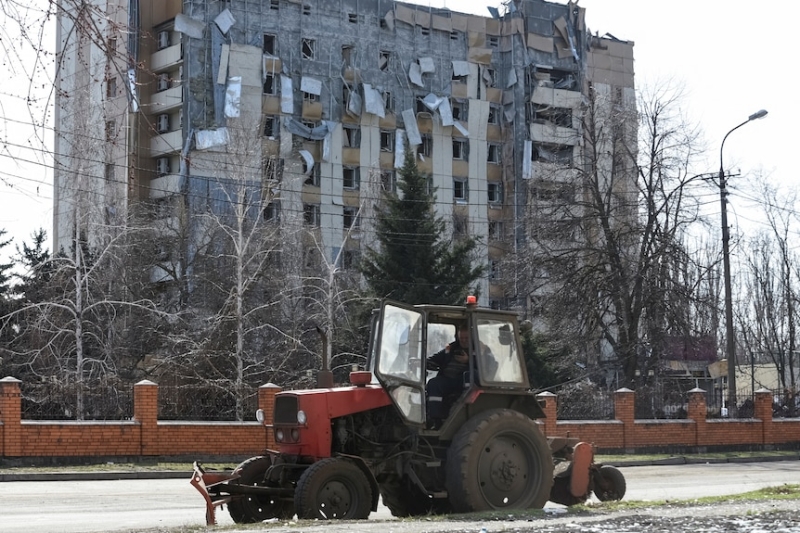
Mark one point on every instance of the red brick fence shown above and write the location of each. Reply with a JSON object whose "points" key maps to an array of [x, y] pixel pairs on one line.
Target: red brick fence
{"points": [[145, 436]]}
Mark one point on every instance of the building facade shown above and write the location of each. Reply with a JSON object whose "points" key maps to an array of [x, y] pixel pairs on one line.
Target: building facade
{"points": [[323, 98]]}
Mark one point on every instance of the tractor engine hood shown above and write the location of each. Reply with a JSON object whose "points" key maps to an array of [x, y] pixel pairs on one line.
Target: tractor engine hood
{"points": [[302, 418]]}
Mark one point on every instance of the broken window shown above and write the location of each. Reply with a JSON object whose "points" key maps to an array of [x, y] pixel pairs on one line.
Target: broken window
{"points": [[112, 46], [493, 41], [313, 177], [351, 218], [496, 230], [352, 137], [271, 128], [460, 190], [494, 192], [270, 84], [424, 31], [311, 214], [388, 101], [111, 87], [309, 46], [272, 212], [460, 149], [421, 107], [273, 169], [493, 155], [459, 78], [351, 177], [274, 4], [460, 226], [541, 114], [425, 148], [310, 97], [306, 9], [459, 110], [494, 269], [355, 18], [455, 35], [347, 55], [387, 141], [350, 259], [269, 44], [550, 77], [552, 153], [109, 174], [111, 127], [383, 59], [494, 114], [490, 77], [388, 180]]}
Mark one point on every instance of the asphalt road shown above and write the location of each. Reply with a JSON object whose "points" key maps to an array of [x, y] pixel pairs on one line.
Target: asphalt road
{"points": [[95, 506]]}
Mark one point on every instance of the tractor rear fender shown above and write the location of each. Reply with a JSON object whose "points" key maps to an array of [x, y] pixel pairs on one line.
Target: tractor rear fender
{"points": [[476, 401], [373, 483]]}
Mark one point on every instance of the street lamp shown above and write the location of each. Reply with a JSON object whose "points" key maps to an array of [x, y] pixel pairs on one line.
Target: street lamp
{"points": [[730, 346]]}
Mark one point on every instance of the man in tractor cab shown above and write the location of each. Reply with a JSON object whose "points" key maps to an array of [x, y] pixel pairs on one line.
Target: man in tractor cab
{"points": [[452, 363]]}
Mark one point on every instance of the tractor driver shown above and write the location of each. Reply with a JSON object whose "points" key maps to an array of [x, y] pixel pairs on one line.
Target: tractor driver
{"points": [[452, 363]]}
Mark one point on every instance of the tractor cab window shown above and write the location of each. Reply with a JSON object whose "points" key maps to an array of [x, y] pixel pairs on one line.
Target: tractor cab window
{"points": [[502, 362], [401, 360]]}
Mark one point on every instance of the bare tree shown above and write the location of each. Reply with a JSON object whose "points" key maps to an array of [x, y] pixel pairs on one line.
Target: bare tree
{"points": [[768, 320], [607, 262]]}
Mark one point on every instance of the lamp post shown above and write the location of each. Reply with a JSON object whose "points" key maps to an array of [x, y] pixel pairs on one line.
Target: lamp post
{"points": [[730, 346]]}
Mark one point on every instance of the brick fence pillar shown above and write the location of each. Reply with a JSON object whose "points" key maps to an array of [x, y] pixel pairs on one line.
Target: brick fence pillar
{"points": [[550, 408], [698, 412], [266, 402], [11, 417], [763, 412], [145, 411], [624, 412]]}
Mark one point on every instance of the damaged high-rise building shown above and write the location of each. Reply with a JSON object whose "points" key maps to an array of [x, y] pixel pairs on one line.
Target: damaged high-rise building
{"points": [[329, 91]]}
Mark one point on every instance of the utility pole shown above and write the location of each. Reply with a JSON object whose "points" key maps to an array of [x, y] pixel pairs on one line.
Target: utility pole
{"points": [[730, 344]]}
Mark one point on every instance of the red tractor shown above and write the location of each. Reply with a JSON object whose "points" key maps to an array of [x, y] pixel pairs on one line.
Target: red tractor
{"points": [[340, 449]]}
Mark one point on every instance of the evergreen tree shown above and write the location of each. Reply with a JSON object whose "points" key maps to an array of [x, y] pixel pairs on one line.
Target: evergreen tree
{"points": [[37, 269], [414, 262], [5, 278]]}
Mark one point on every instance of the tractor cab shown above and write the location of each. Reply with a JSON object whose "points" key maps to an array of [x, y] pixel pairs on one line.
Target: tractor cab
{"points": [[404, 337]]}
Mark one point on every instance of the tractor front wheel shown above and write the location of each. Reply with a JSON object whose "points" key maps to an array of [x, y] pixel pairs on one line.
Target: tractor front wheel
{"points": [[248, 508], [609, 484], [333, 488], [498, 460]]}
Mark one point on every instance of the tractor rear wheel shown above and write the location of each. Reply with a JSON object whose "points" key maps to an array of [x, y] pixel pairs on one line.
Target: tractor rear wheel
{"points": [[498, 460], [333, 488], [250, 508], [609, 484]]}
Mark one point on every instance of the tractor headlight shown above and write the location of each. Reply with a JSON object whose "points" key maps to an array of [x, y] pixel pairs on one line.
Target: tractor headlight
{"points": [[295, 435], [301, 417], [279, 435]]}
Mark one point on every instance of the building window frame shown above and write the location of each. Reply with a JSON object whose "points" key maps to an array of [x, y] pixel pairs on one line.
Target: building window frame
{"points": [[460, 190], [351, 178]]}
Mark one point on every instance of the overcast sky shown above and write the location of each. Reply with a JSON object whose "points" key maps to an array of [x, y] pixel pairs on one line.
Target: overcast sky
{"points": [[732, 58]]}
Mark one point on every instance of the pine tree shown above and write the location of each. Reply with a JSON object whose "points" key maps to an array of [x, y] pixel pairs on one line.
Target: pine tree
{"points": [[414, 262], [35, 261], [5, 276]]}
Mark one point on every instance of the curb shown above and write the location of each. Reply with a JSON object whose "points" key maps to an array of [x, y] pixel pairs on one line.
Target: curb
{"points": [[94, 476]]}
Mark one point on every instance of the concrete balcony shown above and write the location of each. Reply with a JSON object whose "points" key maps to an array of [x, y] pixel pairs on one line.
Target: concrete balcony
{"points": [[167, 143], [552, 134], [165, 101], [554, 172], [167, 58], [556, 97], [165, 186]]}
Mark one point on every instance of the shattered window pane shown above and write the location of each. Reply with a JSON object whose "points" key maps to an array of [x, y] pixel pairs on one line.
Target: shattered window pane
{"points": [[309, 46]]}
